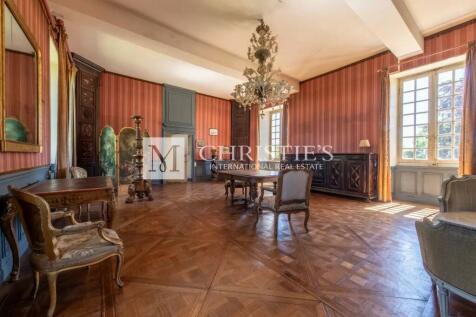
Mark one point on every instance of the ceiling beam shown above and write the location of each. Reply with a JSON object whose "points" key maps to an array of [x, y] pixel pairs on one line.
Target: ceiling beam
{"points": [[392, 23], [153, 35]]}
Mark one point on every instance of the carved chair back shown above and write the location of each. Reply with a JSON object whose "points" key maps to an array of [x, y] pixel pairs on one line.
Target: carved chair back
{"points": [[294, 187], [78, 172], [36, 219], [458, 194]]}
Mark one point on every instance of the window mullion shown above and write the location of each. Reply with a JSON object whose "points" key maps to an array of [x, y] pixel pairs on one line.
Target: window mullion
{"points": [[433, 120]]}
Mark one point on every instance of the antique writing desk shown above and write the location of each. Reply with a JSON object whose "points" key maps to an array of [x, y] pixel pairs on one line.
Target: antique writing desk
{"points": [[61, 194]]}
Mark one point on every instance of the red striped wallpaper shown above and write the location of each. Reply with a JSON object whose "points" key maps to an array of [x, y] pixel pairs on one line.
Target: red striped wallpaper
{"points": [[214, 113], [340, 108], [38, 23], [121, 97]]}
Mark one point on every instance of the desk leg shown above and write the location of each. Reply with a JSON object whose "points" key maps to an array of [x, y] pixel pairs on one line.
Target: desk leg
{"points": [[8, 227], [111, 209]]}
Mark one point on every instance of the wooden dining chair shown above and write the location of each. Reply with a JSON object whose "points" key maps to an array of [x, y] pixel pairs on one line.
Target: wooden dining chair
{"points": [[56, 250], [293, 192]]}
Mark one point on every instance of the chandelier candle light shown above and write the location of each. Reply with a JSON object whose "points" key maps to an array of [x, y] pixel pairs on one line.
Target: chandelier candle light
{"points": [[261, 88]]}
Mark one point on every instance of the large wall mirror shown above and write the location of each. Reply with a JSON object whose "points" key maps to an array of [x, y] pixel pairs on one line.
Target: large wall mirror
{"points": [[21, 100]]}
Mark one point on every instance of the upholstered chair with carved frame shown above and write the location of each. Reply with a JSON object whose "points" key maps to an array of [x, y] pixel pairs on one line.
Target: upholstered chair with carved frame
{"points": [[292, 195], [57, 250], [447, 241]]}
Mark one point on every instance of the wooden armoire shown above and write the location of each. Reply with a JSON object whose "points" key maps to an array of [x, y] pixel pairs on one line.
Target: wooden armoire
{"points": [[87, 114], [240, 127]]}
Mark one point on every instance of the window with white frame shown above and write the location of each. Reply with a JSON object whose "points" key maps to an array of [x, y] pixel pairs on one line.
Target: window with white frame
{"points": [[275, 135], [431, 108]]}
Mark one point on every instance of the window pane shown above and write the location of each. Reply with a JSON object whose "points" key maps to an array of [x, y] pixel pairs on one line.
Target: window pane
{"points": [[408, 97], [408, 131], [408, 143], [445, 90], [456, 153], [422, 83], [446, 77], [408, 120], [458, 127], [421, 142], [407, 154], [422, 130], [459, 85], [456, 140], [422, 94], [445, 141], [408, 85], [421, 118], [408, 108], [459, 74], [444, 103], [445, 115], [421, 154], [444, 128], [444, 154], [459, 101], [422, 106], [458, 114]]}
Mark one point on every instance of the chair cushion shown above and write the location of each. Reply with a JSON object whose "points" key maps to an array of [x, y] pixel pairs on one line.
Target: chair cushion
{"points": [[238, 184], [84, 244], [269, 201], [269, 189], [79, 249]]}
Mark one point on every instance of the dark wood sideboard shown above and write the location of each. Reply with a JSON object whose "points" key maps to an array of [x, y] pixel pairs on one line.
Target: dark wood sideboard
{"points": [[352, 175]]}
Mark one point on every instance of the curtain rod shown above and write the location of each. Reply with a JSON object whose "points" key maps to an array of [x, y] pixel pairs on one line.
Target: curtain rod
{"points": [[414, 59]]}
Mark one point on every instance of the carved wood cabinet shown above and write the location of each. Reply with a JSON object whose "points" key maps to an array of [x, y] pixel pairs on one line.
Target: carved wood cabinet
{"points": [[87, 114], [240, 127], [352, 175]]}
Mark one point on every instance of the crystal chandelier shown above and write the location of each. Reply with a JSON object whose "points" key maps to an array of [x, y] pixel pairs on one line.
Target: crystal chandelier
{"points": [[261, 88]]}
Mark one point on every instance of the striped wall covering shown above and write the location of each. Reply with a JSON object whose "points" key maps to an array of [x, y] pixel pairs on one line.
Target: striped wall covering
{"points": [[36, 20], [341, 107], [457, 38], [215, 113], [121, 97]]}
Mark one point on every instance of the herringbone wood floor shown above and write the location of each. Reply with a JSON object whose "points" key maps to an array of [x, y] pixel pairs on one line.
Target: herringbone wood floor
{"points": [[189, 253]]}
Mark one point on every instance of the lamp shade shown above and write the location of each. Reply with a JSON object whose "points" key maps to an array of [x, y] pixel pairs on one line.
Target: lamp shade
{"points": [[364, 143]]}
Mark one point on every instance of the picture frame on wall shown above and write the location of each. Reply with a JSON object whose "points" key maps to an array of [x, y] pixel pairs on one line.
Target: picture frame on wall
{"points": [[213, 131]]}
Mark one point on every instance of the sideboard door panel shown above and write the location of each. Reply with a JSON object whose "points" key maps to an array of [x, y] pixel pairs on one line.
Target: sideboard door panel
{"points": [[335, 174], [355, 176]]}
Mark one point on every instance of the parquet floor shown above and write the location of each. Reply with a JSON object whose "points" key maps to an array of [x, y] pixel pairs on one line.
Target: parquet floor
{"points": [[189, 253]]}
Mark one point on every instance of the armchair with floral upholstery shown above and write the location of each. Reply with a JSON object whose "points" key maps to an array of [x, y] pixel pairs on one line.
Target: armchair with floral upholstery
{"points": [[56, 250]]}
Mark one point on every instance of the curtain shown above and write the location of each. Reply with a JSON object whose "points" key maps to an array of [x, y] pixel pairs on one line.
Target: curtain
{"points": [[64, 67], [384, 185], [467, 158]]}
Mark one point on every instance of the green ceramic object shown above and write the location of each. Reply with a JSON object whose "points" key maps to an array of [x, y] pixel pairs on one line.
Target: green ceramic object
{"points": [[107, 152], [15, 130]]}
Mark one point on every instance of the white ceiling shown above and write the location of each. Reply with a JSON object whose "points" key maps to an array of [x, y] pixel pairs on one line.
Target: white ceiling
{"points": [[202, 44]]}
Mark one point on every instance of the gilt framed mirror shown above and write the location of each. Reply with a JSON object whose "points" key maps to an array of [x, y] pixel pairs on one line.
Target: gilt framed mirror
{"points": [[20, 107]]}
